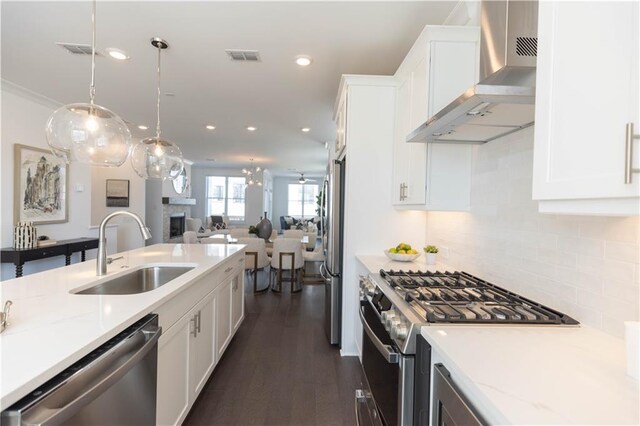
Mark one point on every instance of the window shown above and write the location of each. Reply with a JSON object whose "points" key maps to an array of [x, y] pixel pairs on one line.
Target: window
{"points": [[225, 196], [302, 200]]}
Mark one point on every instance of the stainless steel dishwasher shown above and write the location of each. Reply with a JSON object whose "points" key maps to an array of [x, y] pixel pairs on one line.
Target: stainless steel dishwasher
{"points": [[113, 385]]}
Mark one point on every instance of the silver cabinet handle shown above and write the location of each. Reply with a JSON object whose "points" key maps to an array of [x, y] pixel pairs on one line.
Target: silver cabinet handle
{"points": [[194, 320], [199, 321], [385, 350], [628, 154], [96, 377], [228, 269]]}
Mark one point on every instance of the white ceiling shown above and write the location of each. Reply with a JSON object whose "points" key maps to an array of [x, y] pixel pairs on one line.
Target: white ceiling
{"points": [[275, 95]]}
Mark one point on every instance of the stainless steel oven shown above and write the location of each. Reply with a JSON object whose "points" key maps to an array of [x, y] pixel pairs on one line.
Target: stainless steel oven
{"points": [[389, 372], [450, 406]]}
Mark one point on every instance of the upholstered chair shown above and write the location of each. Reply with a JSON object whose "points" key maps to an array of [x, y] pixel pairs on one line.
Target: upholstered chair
{"points": [[287, 257], [189, 237], [293, 233], [256, 260]]}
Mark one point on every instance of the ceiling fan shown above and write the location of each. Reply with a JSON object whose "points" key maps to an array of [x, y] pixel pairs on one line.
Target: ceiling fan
{"points": [[304, 180]]}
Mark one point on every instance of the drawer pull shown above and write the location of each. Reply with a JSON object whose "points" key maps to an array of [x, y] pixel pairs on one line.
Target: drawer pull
{"points": [[230, 268]]}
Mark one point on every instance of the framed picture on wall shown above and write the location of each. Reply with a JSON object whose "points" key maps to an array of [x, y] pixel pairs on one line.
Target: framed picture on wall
{"points": [[117, 193], [41, 186]]}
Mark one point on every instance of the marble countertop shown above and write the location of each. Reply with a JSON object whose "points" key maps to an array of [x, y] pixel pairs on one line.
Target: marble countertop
{"points": [[374, 263], [539, 375], [51, 328]]}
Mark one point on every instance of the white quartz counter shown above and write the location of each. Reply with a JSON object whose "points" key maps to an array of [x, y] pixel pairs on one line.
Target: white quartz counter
{"points": [[51, 328], [539, 375], [373, 263]]}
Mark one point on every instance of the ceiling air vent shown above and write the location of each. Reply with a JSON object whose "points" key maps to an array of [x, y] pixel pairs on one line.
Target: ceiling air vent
{"points": [[244, 55], [527, 46], [77, 48]]}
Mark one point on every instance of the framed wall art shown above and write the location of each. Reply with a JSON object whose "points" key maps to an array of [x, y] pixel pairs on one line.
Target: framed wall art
{"points": [[41, 186], [117, 193]]}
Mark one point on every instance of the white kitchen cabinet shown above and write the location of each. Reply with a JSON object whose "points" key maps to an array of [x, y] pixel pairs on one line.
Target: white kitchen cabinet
{"points": [[185, 360], [173, 373], [237, 300], [192, 343], [223, 317], [440, 66], [201, 348], [341, 124], [586, 93]]}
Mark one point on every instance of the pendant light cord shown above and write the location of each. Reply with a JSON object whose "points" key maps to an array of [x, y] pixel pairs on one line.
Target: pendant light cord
{"points": [[92, 88], [158, 104]]}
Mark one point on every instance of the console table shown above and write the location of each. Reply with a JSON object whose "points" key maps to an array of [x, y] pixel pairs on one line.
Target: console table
{"points": [[62, 248]]}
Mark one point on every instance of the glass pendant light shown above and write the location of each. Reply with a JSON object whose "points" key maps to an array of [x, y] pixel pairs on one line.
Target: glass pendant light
{"points": [[154, 157], [89, 133], [252, 174]]}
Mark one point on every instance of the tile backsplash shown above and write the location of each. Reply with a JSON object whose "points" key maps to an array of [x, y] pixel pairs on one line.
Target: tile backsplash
{"points": [[586, 266]]}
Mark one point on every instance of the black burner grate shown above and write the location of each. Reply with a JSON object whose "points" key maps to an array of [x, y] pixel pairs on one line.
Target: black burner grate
{"points": [[458, 297]]}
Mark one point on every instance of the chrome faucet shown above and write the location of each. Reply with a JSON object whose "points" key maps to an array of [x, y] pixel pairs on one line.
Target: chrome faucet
{"points": [[101, 265]]}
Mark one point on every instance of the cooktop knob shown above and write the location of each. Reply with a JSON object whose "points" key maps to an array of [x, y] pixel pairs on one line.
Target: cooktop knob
{"points": [[400, 332]]}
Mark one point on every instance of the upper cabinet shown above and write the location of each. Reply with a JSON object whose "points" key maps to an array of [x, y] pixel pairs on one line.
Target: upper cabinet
{"points": [[341, 122], [441, 65], [586, 94]]}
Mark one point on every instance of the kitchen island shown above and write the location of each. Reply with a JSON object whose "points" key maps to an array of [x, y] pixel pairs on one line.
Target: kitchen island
{"points": [[51, 328]]}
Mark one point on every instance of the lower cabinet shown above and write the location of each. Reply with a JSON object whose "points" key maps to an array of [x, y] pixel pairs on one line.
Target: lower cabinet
{"points": [[190, 347], [173, 373], [230, 308]]}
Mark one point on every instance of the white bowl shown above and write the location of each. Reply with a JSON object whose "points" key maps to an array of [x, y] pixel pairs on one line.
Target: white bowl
{"points": [[402, 257]]}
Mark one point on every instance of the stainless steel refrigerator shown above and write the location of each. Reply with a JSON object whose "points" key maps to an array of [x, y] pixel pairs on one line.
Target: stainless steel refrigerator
{"points": [[331, 270]]}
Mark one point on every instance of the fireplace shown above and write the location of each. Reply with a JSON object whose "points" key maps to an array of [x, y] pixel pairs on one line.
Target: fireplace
{"points": [[176, 225]]}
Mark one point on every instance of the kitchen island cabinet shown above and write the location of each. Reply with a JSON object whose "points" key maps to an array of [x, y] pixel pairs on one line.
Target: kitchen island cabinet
{"points": [[47, 314], [586, 93]]}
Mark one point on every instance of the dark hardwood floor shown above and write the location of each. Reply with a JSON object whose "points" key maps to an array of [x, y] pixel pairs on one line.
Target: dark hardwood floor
{"points": [[280, 369]]}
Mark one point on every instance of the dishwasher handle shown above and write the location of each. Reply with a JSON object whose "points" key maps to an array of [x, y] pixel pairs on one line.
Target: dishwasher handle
{"points": [[66, 400]]}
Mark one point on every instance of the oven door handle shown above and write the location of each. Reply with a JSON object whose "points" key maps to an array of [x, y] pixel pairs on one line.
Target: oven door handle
{"points": [[385, 350]]}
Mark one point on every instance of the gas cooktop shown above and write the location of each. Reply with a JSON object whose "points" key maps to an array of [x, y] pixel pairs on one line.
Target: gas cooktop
{"points": [[458, 297]]}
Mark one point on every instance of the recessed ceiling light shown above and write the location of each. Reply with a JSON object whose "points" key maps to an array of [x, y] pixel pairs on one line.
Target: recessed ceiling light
{"points": [[210, 127], [251, 128], [118, 54], [142, 127], [305, 129], [303, 60]]}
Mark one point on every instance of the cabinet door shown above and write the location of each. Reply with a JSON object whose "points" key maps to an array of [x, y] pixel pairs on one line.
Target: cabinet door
{"points": [[341, 120], [586, 92], [223, 317], [201, 350], [237, 300], [173, 373], [401, 149]]}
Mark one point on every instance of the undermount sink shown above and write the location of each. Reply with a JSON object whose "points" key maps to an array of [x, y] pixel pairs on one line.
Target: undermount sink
{"points": [[138, 281]]}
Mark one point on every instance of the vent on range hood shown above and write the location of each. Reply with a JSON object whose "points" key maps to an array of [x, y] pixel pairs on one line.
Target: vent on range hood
{"points": [[503, 101]]}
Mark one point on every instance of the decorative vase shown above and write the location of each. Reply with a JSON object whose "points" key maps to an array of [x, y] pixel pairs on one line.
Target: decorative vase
{"points": [[264, 228], [431, 258]]}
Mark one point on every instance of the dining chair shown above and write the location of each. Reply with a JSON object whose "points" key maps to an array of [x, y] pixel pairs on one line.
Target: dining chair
{"points": [[189, 237], [212, 240], [312, 262], [269, 244], [239, 233], [255, 260], [293, 233], [287, 256]]}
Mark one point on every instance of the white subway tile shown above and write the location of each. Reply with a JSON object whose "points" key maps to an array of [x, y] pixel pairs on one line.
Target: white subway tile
{"points": [[627, 252]]}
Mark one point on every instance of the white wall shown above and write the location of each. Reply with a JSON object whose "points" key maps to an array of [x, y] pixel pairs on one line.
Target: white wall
{"points": [[129, 236], [586, 266], [24, 115], [254, 194]]}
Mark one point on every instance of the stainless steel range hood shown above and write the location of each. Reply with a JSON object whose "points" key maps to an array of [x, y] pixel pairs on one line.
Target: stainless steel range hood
{"points": [[503, 101]]}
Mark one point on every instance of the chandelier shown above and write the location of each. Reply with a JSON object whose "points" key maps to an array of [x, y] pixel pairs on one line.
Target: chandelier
{"points": [[252, 174]]}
